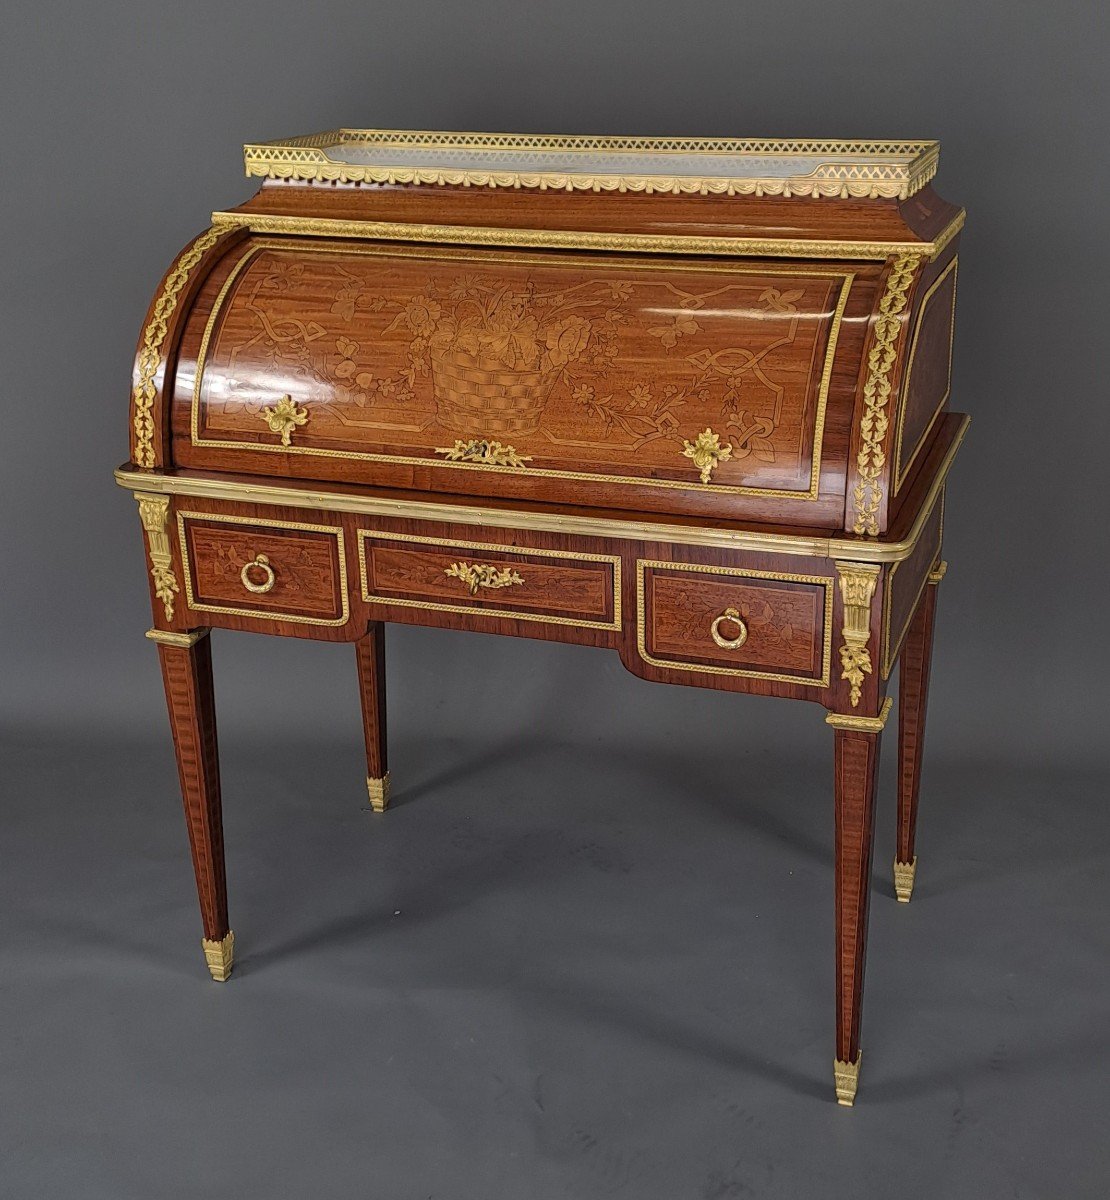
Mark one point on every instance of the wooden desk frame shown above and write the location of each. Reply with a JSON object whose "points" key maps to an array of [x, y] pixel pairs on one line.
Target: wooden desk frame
{"points": [[271, 503]]}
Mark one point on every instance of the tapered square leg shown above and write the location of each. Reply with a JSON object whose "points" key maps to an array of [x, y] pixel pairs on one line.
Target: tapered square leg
{"points": [[187, 673], [371, 679], [856, 763], [913, 694]]}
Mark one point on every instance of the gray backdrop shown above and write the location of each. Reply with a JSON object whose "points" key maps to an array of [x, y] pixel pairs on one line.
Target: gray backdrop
{"points": [[589, 951]]}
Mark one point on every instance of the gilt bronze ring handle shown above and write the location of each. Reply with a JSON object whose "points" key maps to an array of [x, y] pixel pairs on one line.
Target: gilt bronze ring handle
{"points": [[733, 617], [260, 563]]}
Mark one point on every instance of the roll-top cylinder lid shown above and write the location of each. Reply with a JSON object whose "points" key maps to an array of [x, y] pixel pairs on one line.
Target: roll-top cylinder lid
{"points": [[677, 385]]}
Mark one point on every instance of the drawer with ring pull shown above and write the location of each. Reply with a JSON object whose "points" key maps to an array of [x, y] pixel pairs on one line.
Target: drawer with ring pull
{"points": [[735, 621], [279, 569]]}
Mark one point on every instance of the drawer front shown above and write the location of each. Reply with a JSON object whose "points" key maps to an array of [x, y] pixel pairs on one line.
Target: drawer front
{"points": [[278, 569], [555, 586], [732, 621]]}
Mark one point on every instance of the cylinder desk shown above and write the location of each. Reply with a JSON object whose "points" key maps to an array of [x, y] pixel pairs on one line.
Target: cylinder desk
{"points": [[683, 399]]}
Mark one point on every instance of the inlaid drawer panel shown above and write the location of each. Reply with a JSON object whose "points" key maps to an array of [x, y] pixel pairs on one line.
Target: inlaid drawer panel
{"points": [[279, 569], [734, 621], [527, 583]]}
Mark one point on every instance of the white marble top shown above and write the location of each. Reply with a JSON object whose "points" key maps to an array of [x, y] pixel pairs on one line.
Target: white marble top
{"points": [[777, 166]]}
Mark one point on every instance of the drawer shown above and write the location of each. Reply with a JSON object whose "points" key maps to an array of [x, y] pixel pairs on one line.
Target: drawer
{"points": [[280, 570], [527, 583], [735, 621]]}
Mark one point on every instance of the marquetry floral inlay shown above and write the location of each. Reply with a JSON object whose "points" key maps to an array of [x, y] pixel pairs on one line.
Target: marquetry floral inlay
{"points": [[304, 567], [523, 362], [782, 631]]}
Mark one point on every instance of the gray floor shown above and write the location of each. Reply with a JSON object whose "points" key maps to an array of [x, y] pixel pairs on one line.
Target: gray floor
{"points": [[556, 969]]}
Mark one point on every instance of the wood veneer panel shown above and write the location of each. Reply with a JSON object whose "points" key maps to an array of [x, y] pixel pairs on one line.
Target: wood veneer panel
{"points": [[904, 583], [913, 696], [187, 674], [370, 652], [856, 764], [928, 370]]}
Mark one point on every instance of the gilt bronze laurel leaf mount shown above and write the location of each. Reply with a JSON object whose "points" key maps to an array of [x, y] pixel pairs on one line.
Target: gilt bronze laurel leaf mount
{"points": [[487, 453], [285, 417], [482, 575], [707, 452]]}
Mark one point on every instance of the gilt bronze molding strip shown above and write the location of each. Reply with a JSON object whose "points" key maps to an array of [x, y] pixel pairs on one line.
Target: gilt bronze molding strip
{"points": [[560, 239], [844, 548]]}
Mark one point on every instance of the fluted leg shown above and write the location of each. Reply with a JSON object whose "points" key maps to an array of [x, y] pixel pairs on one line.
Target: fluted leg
{"points": [[913, 694], [856, 763], [187, 672], [371, 678]]}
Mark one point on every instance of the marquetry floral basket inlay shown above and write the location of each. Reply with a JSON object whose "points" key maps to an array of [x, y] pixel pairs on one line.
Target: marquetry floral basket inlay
{"points": [[496, 351]]}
